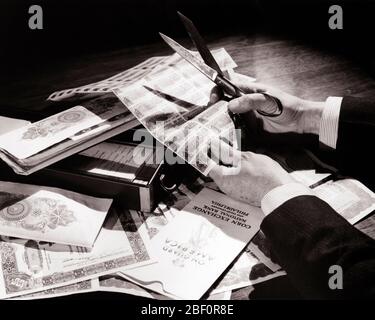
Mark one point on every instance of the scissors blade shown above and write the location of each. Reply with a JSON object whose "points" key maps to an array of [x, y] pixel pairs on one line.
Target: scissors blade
{"points": [[189, 57], [200, 43]]}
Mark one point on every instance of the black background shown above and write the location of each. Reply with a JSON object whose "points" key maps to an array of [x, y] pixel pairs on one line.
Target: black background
{"points": [[74, 27]]}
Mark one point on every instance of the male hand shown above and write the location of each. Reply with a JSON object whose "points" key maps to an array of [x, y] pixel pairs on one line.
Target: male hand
{"points": [[248, 176], [299, 116]]}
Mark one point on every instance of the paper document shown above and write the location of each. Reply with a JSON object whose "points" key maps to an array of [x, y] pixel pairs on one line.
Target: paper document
{"points": [[350, 198], [309, 178], [172, 105], [75, 288], [31, 139], [37, 145], [195, 248], [246, 270], [9, 124], [28, 266], [50, 214]]}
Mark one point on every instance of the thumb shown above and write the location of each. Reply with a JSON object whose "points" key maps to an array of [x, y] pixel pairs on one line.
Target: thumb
{"points": [[216, 94]]}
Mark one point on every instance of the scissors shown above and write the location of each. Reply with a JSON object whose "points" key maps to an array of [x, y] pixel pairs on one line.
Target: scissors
{"points": [[211, 69]]}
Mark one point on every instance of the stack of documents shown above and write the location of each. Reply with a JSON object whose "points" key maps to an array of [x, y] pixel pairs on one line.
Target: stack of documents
{"points": [[37, 145], [30, 266], [208, 254], [197, 244], [52, 238]]}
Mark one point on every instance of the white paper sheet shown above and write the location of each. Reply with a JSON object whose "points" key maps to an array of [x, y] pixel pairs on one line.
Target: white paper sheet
{"points": [[9, 124], [50, 214]]}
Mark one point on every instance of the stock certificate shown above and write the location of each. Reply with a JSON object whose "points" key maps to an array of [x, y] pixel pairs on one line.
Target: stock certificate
{"points": [[350, 198], [75, 288], [50, 214], [29, 140], [29, 266]]}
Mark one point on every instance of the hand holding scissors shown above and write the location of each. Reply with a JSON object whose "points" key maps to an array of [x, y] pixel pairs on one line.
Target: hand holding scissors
{"points": [[211, 70]]}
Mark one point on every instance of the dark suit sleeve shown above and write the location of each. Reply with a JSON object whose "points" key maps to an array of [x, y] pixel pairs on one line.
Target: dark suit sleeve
{"points": [[354, 155], [308, 236]]}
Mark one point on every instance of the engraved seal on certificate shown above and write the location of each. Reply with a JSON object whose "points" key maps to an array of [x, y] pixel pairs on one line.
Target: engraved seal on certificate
{"points": [[52, 126], [71, 116], [37, 214]]}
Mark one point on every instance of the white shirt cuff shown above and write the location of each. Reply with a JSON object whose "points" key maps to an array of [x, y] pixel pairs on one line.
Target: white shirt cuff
{"points": [[329, 124], [277, 196]]}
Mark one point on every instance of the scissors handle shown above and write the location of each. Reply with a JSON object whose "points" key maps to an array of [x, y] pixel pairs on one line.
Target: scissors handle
{"points": [[228, 87], [273, 108]]}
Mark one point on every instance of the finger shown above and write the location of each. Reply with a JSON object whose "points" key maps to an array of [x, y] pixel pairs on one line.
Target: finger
{"points": [[253, 101], [221, 151], [218, 172], [248, 156], [247, 84], [215, 95]]}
